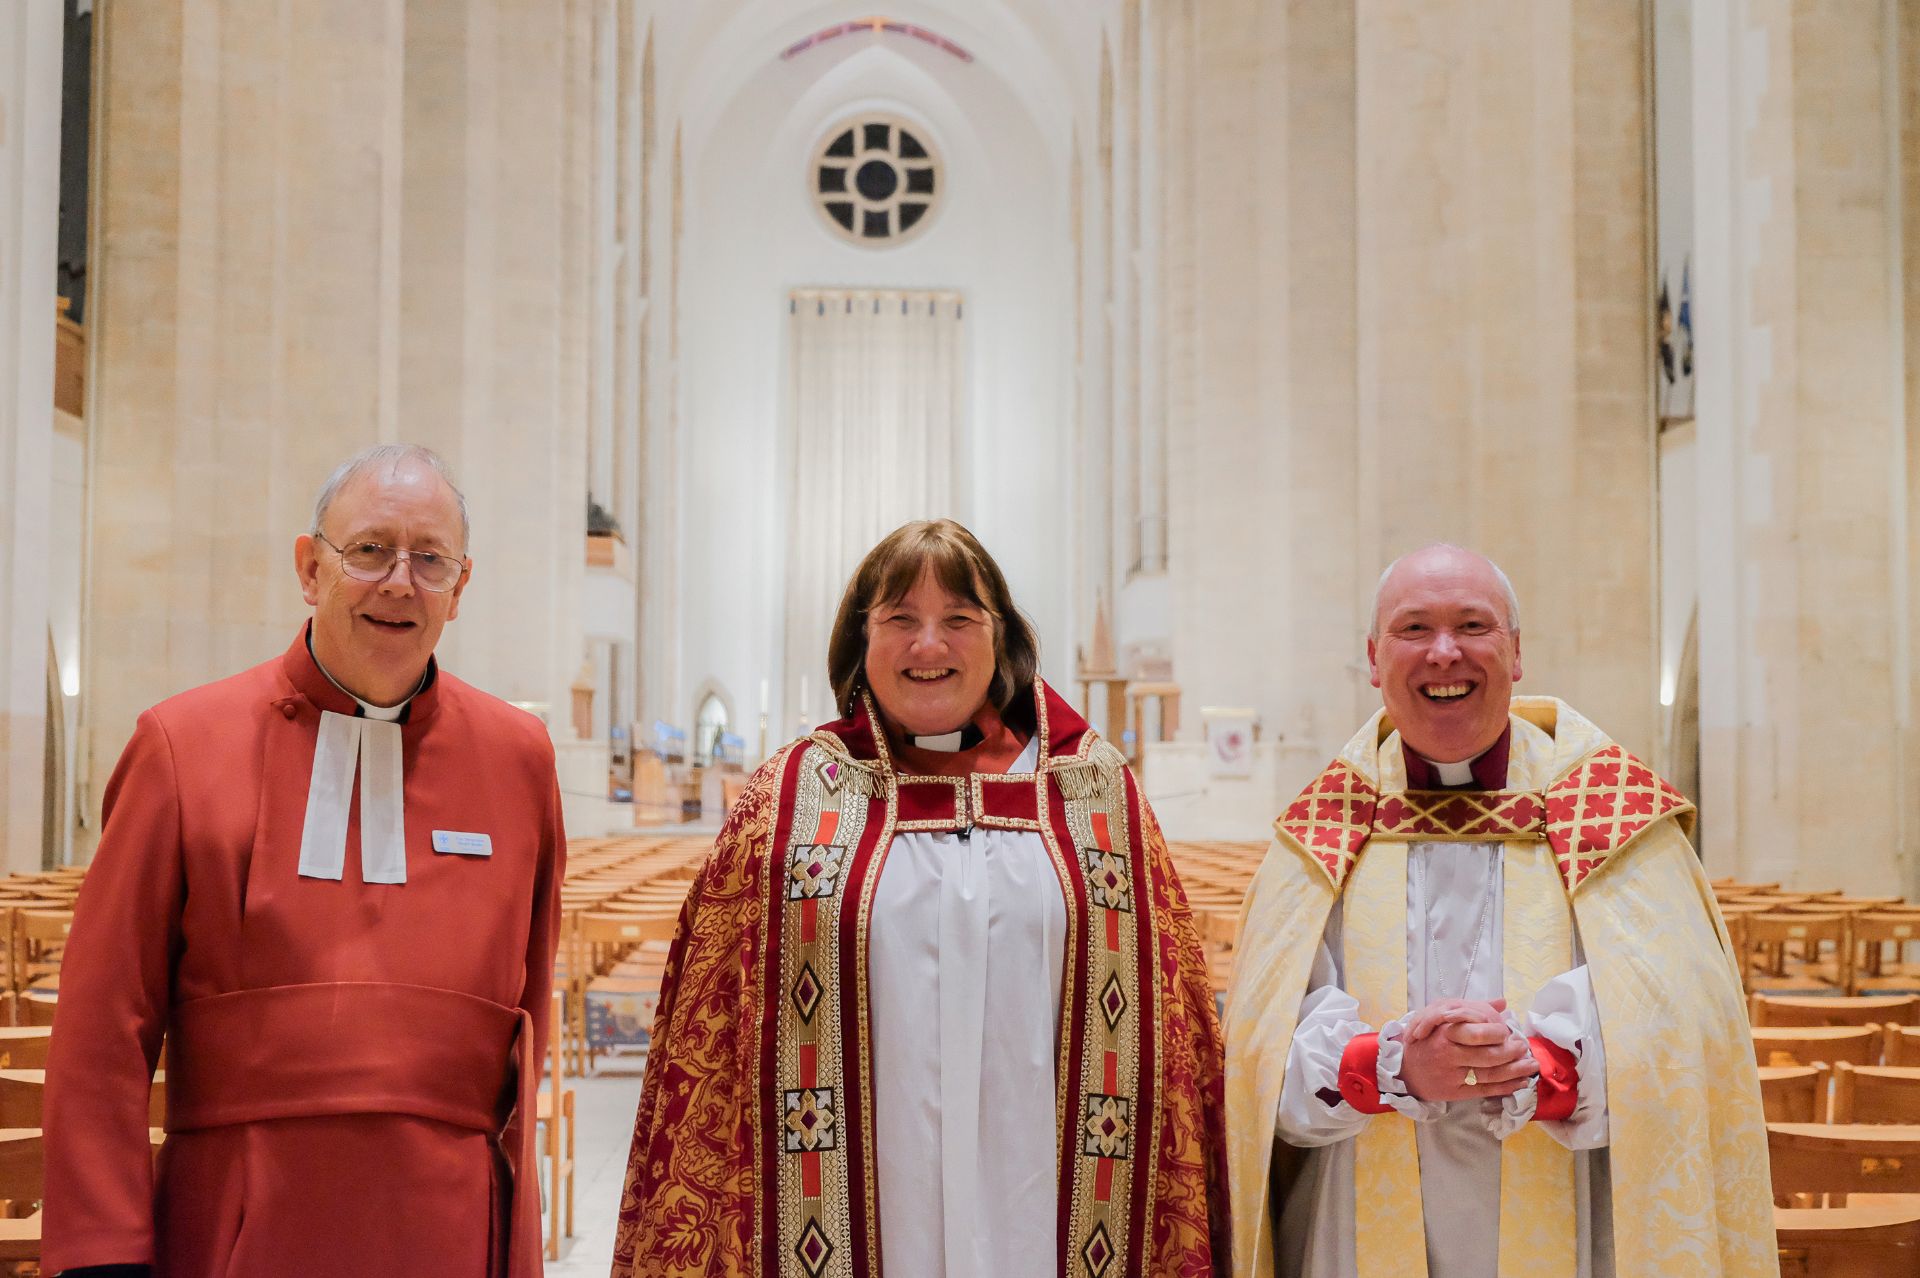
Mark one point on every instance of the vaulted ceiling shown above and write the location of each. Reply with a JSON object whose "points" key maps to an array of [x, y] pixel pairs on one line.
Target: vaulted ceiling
{"points": [[1043, 54]]}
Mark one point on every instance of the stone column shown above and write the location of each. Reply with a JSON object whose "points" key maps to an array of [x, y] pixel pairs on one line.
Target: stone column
{"points": [[1905, 52], [448, 282], [497, 345], [30, 58], [657, 556], [1258, 282], [1806, 470], [496, 361], [324, 226], [1409, 241], [246, 323], [625, 366], [1230, 285], [1505, 326]]}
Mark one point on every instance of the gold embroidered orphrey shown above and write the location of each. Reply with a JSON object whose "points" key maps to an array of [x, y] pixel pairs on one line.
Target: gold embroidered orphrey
{"points": [[831, 800]]}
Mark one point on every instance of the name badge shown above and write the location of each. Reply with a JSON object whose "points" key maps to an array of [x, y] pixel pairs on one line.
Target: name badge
{"points": [[460, 843]]}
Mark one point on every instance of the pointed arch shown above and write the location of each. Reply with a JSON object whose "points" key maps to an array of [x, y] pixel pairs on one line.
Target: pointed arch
{"points": [[712, 717]]}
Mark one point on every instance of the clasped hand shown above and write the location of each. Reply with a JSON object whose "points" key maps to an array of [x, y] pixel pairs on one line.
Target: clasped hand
{"points": [[1445, 1039]]}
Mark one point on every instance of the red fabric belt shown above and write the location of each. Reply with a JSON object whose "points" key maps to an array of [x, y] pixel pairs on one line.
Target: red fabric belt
{"points": [[304, 1051]]}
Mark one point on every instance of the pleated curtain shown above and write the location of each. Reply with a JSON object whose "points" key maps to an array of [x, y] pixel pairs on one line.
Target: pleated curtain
{"points": [[877, 411]]}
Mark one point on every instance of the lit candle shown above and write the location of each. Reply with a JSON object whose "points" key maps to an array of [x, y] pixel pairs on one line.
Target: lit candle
{"points": [[803, 697], [763, 696]]}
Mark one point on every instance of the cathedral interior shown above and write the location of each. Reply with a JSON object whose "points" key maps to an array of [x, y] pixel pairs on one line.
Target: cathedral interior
{"points": [[1196, 312]]}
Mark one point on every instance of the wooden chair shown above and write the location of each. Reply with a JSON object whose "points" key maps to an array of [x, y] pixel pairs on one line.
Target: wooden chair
{"points": [[1871, 1240], [1778, 1045], [1838, 1159], [556, 1113], [22, 1181], [1888, 1009], [1874, 1094], [1901, 1046], [37, 936], [1795, 1093], [25, 1047], [1773, 938], [34, 1011], [599, 941], [23, 1096], [1874, 931]]}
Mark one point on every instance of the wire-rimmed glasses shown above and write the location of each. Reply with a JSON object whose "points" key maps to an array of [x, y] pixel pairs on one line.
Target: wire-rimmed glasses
{"points": [[372, 561]]}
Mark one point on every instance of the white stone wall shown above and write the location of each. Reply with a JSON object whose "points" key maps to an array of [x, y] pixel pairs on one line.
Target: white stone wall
{"points": [[1806, 475]]}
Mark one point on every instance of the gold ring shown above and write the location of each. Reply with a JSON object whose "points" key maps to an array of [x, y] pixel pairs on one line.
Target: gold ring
{"points": [[1473, 1079]]}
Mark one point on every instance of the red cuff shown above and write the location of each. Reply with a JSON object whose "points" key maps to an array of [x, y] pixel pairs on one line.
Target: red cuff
{"points": [[1559, 1081], [1360, 1074]]}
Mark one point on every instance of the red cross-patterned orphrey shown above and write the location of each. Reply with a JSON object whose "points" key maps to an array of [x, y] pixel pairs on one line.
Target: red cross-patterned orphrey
{"points": [[1600, 807]]}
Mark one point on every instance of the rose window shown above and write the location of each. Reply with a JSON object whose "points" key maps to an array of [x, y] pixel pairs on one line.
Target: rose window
{"points": [[876, 181]]}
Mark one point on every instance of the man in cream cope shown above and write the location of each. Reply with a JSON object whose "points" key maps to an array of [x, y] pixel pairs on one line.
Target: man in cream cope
{"points": [[332, 883], [1484, 1019]]}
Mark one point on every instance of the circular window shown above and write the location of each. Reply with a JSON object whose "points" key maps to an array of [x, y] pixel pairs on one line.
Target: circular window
{"points": [[875, 181]]}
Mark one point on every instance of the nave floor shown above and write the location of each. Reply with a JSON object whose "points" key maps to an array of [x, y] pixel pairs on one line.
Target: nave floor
{"points": [[604, 1106]]}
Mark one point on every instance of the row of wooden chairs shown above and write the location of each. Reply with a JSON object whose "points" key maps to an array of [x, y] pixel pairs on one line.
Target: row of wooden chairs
{"points": [[1841, 1093], [1868, 1044], [1809, 949], [1840, 1102], [1825, 941], [1847, 1198], [644, 878], [1216, 876], [1779, 1010], [605, 877], [23, 1079]]}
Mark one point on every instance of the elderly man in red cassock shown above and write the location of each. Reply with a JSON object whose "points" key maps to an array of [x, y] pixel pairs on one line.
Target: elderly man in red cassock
{"points": [[331, 883]]}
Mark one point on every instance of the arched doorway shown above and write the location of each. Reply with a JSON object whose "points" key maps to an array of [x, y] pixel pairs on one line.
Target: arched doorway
{"points": [[711, 724]]}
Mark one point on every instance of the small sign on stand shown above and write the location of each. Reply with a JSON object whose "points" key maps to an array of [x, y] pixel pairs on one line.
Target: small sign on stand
{"points": [[1230, 737]]}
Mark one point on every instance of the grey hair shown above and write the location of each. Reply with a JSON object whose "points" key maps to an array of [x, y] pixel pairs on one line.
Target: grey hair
{"points": [[1499, 574], [389, 457]]}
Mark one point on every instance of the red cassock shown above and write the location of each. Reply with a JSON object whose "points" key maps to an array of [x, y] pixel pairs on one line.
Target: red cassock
{"points": [[349, 1064]]}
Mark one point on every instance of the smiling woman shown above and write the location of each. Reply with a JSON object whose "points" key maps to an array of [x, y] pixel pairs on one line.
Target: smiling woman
{"points": [[942, 943], [929, 626]]}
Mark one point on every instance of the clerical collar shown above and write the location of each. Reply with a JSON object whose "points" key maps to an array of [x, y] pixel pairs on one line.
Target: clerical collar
{"points": [[966, 738], [1485, 771], [985, 745], [367, 745], [385, 714]]}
